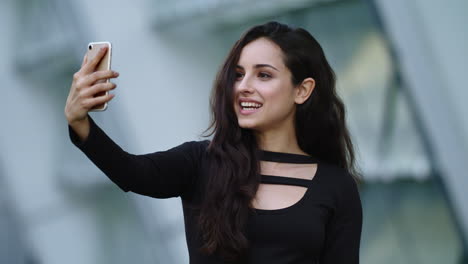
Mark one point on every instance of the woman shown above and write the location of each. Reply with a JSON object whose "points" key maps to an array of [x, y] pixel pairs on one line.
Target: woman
{"points": [[276, 184]]}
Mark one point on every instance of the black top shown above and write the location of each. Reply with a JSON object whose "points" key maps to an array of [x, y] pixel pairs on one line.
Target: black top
{"points": [[324, 226]]}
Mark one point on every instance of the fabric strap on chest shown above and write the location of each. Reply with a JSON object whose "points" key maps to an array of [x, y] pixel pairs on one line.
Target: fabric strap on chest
{"points": [[285, 180], [286, 157]]}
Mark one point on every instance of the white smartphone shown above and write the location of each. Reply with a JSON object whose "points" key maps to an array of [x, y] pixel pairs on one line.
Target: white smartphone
{"points": [[104, 64]]}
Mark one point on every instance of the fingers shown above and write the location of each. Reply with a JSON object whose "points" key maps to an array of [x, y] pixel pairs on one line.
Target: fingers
{"points": [[92, 78], [91, 102], [91, 64], [100, 87]]}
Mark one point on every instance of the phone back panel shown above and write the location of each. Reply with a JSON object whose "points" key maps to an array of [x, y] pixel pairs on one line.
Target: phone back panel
{"points": [[104, 64]]}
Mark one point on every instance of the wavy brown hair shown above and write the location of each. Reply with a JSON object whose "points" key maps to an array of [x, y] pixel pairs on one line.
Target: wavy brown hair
{"points": [[234, 174]]}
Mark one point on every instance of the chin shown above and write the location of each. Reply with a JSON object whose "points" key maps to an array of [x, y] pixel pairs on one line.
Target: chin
{"points": [[248, 124]]}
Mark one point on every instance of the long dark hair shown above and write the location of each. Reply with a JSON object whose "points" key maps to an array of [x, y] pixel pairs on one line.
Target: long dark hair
{"points": [[234, 174]]}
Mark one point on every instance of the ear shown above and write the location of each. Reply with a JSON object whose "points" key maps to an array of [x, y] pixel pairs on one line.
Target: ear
{"points": [[304, 90]]}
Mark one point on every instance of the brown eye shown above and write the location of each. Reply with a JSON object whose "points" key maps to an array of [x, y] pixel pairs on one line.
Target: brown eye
{"points": [[239, 75], [264, 75]]}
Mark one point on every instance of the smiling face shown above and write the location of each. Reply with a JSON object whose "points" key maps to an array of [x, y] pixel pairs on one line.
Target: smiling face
{"points": [[264, 93]]}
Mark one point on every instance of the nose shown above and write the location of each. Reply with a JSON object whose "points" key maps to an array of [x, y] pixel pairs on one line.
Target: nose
{"points": [[245, 85]]}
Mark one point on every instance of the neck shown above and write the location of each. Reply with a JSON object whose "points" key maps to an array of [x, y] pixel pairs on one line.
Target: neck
{"points": [[279, 140]]}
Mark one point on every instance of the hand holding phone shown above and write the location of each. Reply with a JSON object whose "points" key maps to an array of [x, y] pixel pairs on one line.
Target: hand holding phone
{"points": [[87, 84]]}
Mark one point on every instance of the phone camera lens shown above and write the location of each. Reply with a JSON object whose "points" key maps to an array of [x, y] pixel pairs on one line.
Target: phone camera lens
{"points": [[90, 46]]}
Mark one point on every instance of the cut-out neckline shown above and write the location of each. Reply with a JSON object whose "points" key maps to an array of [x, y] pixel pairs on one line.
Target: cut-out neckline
{"points": [[273, 179], [282, 157]]}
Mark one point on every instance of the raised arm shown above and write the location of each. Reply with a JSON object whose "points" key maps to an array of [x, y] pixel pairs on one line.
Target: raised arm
{"points": [[160, 174]]}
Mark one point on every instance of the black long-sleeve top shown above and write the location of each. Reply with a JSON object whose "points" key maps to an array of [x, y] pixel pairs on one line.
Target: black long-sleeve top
{"points": [[324, 226]]}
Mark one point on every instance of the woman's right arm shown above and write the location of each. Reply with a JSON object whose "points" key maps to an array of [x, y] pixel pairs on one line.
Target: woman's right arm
{"points": [[160, 174]]}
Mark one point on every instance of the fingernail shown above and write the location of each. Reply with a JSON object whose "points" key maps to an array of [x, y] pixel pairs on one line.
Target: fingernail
{"points": [[116, 74]]}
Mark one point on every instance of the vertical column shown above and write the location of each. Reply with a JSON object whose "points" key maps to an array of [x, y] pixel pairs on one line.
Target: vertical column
{"points": [[426, 37]]}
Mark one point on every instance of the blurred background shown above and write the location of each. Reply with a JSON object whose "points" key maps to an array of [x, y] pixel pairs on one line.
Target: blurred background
{"points": [[401, 68]]}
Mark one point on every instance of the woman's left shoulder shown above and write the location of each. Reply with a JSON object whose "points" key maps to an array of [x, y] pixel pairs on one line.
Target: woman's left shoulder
{"points": [[336, 177], [341, 187]]}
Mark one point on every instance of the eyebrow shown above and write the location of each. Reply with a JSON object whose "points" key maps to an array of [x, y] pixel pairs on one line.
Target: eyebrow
{"points": [[256, 66]]}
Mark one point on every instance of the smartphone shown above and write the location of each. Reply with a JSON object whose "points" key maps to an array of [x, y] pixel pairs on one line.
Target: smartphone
{"points": [[104, 64]]}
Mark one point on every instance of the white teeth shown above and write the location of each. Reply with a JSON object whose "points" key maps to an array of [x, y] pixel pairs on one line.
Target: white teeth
{"points": [[250, 105]]}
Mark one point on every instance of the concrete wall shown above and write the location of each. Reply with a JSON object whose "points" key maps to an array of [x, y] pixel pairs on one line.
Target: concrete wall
{"points": [[72, 213]]}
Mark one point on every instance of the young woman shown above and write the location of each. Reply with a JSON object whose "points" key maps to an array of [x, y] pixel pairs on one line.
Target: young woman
{"points": [[276, 184]]}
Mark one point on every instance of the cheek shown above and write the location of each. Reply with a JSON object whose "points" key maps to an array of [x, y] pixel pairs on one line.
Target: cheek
{"points": [[235, 87], [235, 91], [279, 93]]}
